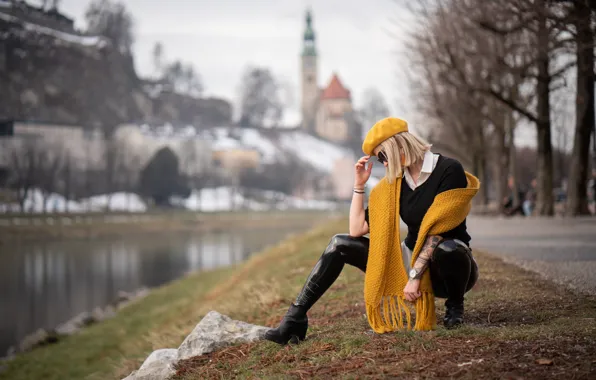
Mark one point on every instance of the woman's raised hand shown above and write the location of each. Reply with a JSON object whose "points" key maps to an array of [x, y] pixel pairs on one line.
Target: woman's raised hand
{"points": [[362, 171]]}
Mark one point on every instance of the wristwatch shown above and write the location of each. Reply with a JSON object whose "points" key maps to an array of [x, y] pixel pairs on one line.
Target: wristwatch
{"points": [[414, 274]]}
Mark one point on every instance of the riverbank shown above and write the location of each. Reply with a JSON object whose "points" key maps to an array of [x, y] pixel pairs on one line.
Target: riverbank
{"points": [[518, 326], [19, 228]]}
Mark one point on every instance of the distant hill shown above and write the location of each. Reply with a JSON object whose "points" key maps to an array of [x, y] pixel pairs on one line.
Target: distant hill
{"points": [[51, 75]]}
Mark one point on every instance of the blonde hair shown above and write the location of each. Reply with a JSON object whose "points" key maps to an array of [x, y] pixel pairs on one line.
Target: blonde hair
{"points": [[412, 147]]}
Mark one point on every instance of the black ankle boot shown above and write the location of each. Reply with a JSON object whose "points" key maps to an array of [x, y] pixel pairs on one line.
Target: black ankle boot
{"points": [[292, 327], [454, 314]]}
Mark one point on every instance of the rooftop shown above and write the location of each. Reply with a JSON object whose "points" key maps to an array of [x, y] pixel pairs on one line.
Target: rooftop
{"points": [[335, 90]]}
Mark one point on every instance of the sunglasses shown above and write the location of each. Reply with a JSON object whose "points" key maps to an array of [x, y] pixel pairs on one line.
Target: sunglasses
{"points": [[381, 157]]}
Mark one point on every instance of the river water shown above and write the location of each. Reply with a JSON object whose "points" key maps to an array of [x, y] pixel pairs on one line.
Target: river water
{"points": [[44, 284]]}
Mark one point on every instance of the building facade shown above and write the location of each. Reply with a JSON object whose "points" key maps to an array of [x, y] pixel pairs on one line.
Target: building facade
{"points": [[194, 153], [84, 146]]}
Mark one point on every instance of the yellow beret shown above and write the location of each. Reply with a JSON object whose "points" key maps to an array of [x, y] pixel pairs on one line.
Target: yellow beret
{"points": [[381, 131]]}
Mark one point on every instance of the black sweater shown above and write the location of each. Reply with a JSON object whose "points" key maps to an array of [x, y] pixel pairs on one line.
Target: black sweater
{"points": [[413, 204]]}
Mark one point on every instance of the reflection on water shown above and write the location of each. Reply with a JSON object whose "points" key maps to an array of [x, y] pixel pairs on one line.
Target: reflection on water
{"points": [[43, 285]]}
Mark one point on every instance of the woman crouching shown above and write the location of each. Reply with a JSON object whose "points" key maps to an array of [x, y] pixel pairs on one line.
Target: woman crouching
{"points": [[432, 194]]}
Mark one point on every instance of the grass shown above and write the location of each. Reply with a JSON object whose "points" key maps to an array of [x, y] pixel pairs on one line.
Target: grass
{"points": [[519, 326]]}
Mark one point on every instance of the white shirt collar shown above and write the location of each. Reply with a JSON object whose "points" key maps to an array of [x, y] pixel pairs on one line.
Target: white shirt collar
{"points": [[427, 163]]}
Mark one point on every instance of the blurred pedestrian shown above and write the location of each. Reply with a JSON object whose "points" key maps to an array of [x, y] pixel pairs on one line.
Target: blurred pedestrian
{"points": [[530, 198], [592, 192]]}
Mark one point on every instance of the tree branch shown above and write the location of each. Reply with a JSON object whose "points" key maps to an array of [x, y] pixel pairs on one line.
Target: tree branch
{"points": [[511, 104]]}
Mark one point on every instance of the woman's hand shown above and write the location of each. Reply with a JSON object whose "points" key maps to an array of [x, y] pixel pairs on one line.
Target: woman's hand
{"points": [[362, 172], [411, 292]]}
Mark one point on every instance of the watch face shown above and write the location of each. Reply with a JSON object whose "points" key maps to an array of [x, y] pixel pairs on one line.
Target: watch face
{"points": [[413, 273]]}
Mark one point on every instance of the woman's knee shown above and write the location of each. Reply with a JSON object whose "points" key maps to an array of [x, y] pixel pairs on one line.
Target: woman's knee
{"points": [[338, 241], [352, 250], [449, 251]]}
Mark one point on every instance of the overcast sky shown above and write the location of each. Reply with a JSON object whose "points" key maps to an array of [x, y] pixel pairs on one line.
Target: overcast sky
{"points": [[220, 37], [360, 40]]}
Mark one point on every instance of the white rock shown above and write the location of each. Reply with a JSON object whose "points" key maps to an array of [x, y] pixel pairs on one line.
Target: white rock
{"points": [[131, 376], [216, 331], [109, 312], [32, 340], [75, 324], [10, 353], [98, 314], [123, 296], [158, 366], [124, 299]]}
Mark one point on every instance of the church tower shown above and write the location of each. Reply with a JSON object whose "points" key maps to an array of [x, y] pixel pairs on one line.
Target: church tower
{"points": [[310, 90]]}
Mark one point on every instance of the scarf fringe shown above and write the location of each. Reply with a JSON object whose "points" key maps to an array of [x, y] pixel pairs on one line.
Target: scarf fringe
{"points": [[389, 314], [426, 318]]}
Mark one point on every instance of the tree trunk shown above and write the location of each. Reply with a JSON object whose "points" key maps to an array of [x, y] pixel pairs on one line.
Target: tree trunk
{"points": [[44, 201], [484, 179], [480, 172], [22, 195], [67, 183], [577, 203], [544, 175], [510, 123], [501, 166]]}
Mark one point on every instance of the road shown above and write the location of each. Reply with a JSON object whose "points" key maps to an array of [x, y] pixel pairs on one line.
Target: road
{"points": [[561, 249]]}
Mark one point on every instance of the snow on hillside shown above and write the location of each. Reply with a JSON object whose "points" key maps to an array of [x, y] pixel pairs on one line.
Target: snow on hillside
{"points": [[314, 151], [318, 153], [204, 200], [115, 202], [121, 201], [54, 203], [226, 198], [253, 138]]}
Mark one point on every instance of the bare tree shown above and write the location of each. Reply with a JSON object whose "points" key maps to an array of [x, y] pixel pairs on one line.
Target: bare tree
{"points": [[180, 77], [68, 179], [191, 81], [195, 163], [112, 20], [157, 56], [51, 163], [446, 76], [582, 18], [129, 172], [114, 157], [504, 51], [260, 99], [183, 79], [26, 162], [539, 20]]}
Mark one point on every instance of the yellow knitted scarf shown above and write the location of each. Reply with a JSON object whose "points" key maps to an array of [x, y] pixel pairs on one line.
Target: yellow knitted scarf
{"points": [[386, 275]]}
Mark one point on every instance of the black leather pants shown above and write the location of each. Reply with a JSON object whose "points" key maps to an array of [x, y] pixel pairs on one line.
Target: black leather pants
{"points": [[452, 268]]}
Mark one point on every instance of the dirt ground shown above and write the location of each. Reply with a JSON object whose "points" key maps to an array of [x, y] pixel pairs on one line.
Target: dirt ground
{"points": [[518, 327]]}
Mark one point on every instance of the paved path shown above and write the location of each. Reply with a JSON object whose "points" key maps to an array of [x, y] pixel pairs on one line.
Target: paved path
{"points": [[561, 249]]}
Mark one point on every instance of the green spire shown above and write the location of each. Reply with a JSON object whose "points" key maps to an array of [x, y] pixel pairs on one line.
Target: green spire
{"points": [[309, 37]]}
